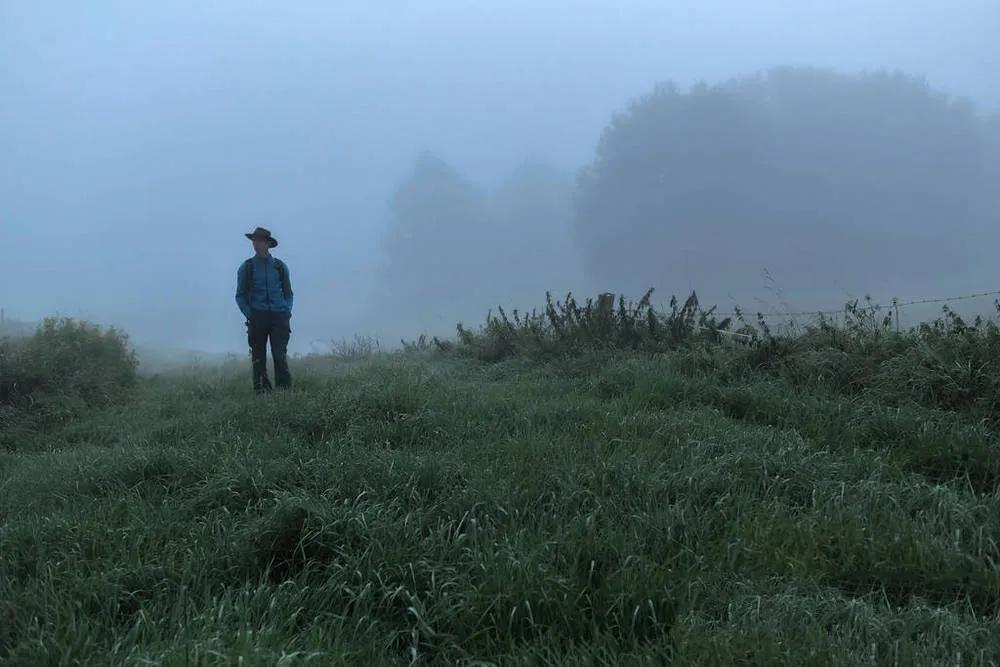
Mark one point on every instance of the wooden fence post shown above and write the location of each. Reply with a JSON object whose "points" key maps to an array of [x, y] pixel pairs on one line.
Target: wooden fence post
{"points": [[605, 305]]}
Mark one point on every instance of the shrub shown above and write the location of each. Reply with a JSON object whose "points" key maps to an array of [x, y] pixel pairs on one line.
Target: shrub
{"points": [[568, 327], [66, 367], [947, 364]]}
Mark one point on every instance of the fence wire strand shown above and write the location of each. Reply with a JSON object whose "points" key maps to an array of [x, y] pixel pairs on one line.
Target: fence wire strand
{"points": [[877, 306]]}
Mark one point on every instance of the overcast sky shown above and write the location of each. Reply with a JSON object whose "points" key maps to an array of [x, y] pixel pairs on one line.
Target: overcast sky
{"points": [[138, 141]]}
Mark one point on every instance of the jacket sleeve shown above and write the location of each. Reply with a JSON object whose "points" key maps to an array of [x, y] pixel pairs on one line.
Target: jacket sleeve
{"points": [[289, 295], [242, 298]]}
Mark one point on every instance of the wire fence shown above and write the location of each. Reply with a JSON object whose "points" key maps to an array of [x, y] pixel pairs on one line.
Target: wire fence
{"points": [[895, 306], [875, 306]]}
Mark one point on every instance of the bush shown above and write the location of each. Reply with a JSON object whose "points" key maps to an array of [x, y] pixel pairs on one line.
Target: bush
{"points": [[66, 367], [947, 364], [568, 327]]}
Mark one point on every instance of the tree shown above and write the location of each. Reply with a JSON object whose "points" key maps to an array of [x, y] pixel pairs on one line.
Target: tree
{"points": [[453, 252], [826, 177], [437, 230]]}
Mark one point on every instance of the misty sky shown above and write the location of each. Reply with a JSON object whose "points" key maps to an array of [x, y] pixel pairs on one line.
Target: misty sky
{"points": [[138, 141]]}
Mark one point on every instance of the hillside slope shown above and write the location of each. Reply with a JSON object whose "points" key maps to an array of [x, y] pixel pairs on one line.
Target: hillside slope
{"points": [[606, 508]]}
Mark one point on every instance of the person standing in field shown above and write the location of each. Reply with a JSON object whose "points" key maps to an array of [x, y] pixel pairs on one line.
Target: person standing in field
{"points": [[264, 295]]}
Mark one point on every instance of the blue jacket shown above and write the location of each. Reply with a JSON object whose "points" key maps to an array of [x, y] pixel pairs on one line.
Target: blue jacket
{"points": [[267, 291]]}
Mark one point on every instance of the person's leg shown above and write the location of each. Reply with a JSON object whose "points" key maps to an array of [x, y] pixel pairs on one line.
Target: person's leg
{"points": [[281, 331], [259, 327]]}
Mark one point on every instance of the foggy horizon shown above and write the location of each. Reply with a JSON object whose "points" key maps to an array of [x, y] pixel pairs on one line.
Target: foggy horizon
{"points": [[139, 144]]}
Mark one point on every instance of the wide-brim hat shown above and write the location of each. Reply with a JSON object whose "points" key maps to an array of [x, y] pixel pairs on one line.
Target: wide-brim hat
{"points": [[261, 233]]}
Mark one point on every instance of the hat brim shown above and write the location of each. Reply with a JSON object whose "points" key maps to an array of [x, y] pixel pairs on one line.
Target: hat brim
{"points": [[273, 242]]}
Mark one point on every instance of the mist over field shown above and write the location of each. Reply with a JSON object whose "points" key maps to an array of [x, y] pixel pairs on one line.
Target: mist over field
{"points": [[454, 466], [421, 163]]}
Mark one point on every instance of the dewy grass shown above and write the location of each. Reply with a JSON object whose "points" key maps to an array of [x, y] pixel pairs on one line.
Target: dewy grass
{"points": [[683, 503]]}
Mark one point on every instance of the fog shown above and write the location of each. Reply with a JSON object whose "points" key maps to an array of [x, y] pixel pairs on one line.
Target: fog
{"points": [[420, 162]]}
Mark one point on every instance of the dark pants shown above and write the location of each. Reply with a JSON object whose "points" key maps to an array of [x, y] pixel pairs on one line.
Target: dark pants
{"points": [[264, 325]]}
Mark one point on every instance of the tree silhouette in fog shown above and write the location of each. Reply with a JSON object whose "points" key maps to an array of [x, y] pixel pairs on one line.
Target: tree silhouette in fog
{"points": [[454, 251], [437, 223], [817, 173]]}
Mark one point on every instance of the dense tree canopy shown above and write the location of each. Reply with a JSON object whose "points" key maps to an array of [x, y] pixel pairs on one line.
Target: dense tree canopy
{"points": [[830, 178]]}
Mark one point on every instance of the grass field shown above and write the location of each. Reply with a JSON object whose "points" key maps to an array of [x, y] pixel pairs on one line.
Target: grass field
{"points": [[600, 507]]}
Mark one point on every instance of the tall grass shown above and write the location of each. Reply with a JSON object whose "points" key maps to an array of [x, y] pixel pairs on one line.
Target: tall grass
{"points": [[590, 496]]}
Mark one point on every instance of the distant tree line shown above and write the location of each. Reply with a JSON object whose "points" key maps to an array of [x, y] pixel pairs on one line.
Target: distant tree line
{"points": [[818, 176], [805, 170]]}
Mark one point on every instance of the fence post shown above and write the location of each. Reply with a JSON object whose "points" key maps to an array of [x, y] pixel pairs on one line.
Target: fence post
{"points": [[605, 305]]}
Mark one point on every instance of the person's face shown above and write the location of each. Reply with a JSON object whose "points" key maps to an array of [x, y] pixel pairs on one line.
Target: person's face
{"points": [[261, 245]]}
